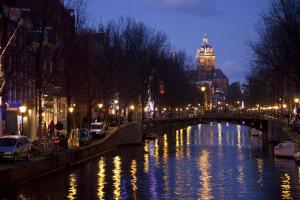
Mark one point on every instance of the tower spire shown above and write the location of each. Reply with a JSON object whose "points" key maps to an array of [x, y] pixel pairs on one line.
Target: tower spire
{"points": [[205, 39]]}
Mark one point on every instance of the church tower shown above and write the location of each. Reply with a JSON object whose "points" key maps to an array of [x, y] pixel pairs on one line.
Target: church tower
{"points": [[205, 57]]}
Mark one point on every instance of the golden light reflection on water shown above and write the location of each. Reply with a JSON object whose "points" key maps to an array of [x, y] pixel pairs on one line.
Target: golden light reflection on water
{"points": [[101, 178], [117, 177], [156, 154], [239, 141], [179, 144], [165, 150], [188, 135], [260, 167], [219, 133], [177, 138], [166, 166], [188, 142], [146, 158], [286, 186], [181, 137], [73, 186], [205, 177], [133, 171]]}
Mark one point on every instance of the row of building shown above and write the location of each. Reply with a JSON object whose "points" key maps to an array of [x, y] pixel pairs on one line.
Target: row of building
{"points": [[34, 36]]}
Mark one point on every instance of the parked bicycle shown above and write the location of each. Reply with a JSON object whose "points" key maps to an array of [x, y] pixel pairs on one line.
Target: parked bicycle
{"points": [[44, 146]]}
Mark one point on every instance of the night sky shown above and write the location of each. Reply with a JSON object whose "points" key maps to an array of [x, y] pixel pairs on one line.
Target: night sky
{"points": [[228, 24]]}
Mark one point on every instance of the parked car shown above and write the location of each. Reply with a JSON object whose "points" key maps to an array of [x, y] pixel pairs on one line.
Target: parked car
{"points": [[15, 147], [97, 129], [84, 137]]}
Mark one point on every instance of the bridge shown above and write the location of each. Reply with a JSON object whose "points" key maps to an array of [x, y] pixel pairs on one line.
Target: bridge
{"points": [[270, 126]]}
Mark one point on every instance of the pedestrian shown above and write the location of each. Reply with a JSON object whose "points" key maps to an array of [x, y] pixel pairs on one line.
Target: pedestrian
{"points": [[44, 130], [51, 128]]}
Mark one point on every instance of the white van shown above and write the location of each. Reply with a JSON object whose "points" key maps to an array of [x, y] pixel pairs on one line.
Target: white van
{"points": [[97, 129]]}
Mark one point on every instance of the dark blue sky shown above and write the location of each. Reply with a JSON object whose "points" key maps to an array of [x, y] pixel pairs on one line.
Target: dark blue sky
{"points": [[228, 24]]}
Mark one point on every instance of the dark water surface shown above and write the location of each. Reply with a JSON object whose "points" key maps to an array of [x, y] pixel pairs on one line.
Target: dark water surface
{"points": [[207, 161]]}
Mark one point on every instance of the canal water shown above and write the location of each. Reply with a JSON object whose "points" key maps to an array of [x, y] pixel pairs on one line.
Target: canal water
{"points": [[206, 161]]}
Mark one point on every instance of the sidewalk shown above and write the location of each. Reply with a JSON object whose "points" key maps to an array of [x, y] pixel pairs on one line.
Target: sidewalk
{"points": [[6, 165]]}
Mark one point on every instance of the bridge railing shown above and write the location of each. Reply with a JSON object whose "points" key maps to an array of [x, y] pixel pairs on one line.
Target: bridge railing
{"points": [[158, 122]]}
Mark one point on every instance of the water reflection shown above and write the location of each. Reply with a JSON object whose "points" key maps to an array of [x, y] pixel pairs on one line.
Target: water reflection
{"points": [[156, 154], [205, 178], [239, 142], [73, 186], [219, 133], [198, 162], [146, 158], [133, 171], [117, 177], [165, 149], [286, 186], [260, 167], [101, 178]]}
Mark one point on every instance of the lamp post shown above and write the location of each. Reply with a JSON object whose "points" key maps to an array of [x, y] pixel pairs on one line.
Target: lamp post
{"points": [[22, 110], [296, 100], [203, 89], [130, 114], [71, 110]]}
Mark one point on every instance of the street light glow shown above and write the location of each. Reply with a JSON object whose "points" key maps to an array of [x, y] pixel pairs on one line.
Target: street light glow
{"points": [[100, 105], [22, 109], [203, 89], [296, 100], [71, 109], [132, 107]]}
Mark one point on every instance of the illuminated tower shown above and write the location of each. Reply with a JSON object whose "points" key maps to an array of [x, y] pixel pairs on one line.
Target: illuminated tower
{"points": [[205, 57]]}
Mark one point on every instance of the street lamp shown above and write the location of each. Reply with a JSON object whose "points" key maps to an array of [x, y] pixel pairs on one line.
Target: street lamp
{"points": [[132, 107], [100, 105], [22, 111], [203, 89], [71, 110], [296, 100]]}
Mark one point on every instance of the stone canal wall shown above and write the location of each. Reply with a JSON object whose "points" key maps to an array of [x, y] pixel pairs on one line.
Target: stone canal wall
{"points": [[12, 174]]}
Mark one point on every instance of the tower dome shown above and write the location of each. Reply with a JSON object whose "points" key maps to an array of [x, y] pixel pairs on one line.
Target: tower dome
{"points": [[205, 57]]}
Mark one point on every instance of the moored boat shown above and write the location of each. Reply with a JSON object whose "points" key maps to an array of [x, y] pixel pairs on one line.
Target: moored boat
{"points": [[150, 136], [286, 149], [255, 132], [297, 156]]}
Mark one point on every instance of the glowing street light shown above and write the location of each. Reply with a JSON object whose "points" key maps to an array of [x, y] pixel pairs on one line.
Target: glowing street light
{"points": [[296, 100], [132, 107], [203, 89], [71, 109], [100, 105], [22, 110]]}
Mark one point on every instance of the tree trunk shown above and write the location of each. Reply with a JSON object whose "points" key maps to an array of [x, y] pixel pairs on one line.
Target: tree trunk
{"points": [[40, 113]]}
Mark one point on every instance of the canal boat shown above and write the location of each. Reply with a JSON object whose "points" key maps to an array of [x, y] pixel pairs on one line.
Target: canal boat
{"points": [[286, 149], [150, 136], [254, 132], [297, 156]]}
